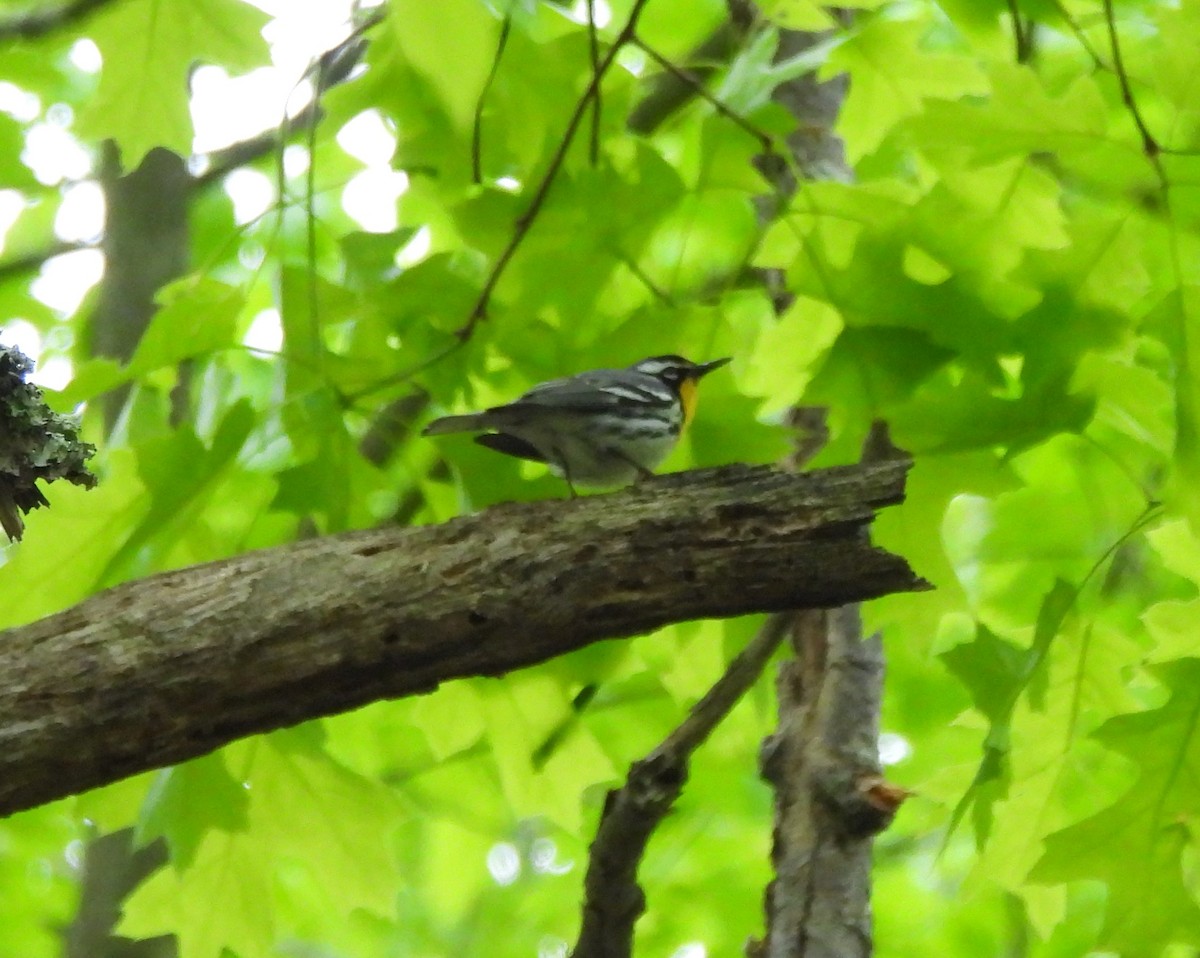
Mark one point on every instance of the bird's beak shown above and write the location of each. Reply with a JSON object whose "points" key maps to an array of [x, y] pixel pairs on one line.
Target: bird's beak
{"points": [[703, 369]]}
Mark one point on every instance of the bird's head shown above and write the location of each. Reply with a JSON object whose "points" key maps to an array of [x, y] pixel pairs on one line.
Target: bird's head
{"points": [[679, 374]]}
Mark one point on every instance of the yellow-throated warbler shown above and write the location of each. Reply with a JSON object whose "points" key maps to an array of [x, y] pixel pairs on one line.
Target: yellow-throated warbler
{"points": [[605, 427]]}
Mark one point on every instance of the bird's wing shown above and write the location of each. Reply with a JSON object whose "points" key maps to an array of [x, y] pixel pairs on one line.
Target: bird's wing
{"points": [[596, 391], [511, 446]]}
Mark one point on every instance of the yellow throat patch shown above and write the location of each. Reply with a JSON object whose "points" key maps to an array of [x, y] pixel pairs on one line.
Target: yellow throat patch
{"points": [[687, 396]]}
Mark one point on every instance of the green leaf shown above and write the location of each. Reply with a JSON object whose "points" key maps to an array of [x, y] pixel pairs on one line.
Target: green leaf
{"points": [[997, 672], [808, 14], [452, 718], [226, 872], [148, 48], [197, 317], [1175, 627], [1178, 546], [68, 546], [519, 716], [310, 826], [456, 62], [1057, 773], [789, 349], [40, 895], [180, 474], [797, 14], [187, 801], [1149, 902], [1179, 316], [13, 173], [892, 78], [992, 669], [1019, 116]]}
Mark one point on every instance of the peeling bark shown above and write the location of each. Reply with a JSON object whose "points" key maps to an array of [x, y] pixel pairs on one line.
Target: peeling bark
{"points": [[824, 765]]}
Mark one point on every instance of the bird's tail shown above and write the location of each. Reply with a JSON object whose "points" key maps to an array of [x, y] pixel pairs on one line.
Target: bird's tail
{"points": [[466, 423]]}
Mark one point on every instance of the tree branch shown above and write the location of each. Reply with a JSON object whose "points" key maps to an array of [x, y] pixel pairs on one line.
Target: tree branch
{"points": [[831, 798], [597, 101], [695, 82], [525, 220], [477, 122], [170, 667], [671, 90], [37, 23], [614, 900], [1149, 144]]}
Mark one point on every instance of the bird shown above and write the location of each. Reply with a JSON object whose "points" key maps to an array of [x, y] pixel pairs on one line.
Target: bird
{"points": [[600, 428]]}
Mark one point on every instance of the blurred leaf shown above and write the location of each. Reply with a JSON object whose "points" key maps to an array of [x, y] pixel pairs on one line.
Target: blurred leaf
{"points": [[148, 48], [41, 893], [179, 473], [302, 808], [188, 801], [198, 317], [68, 547], [1150, 904], [892, 79], [457, 61]]}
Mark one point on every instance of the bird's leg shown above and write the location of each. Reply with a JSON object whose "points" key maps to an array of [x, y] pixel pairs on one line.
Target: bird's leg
{"points": [[562, 464]]}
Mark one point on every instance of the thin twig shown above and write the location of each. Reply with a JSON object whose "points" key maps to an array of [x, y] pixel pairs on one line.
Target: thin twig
{"points": [[666, 93], [1123, 79], [477, 124], [1022, 33], [310, 230], [1149, 144], [594, 50], [525, 220], [635, 267], [1076, 29], [613, 899], [32, 260], [741, 674], [330, 69], [406, 374], [768, 144]]}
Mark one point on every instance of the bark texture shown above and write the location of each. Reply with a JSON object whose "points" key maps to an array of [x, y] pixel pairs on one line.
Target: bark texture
{"points": [[613, 899], [823, 761], [830, 798], [170, 667]]}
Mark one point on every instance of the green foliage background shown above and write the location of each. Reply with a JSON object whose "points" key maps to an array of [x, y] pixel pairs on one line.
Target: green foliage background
{"points": [[1011, 281]]}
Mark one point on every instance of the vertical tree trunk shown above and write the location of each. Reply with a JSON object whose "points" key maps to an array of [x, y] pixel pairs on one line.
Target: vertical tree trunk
{"points": [[146, 245], [824, 765], [823, 761]]}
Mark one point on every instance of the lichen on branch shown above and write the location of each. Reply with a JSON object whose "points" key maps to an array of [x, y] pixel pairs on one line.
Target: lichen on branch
{"points": [[35, 444]]}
